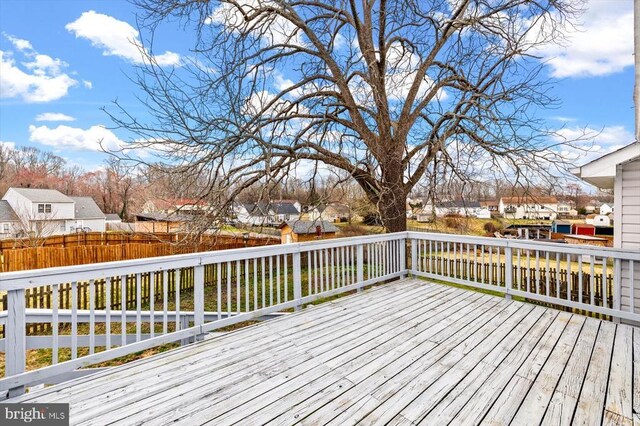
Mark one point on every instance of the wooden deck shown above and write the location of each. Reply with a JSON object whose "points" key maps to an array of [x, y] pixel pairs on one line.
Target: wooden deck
{"points": [[402, 353]]}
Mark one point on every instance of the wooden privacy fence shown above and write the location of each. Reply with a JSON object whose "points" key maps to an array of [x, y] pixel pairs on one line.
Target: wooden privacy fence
{"points": [[110, 238], [46, 257]]}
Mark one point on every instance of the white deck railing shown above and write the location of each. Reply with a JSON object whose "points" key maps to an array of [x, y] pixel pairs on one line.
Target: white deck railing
{"points": [[233, 286], [236, 285]]}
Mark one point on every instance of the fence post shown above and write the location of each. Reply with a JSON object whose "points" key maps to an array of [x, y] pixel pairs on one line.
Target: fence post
{"points": [[508, 272], [617, 287], [297, 280], [360, 266], [16, 338], [414, 257], [198, 297]]}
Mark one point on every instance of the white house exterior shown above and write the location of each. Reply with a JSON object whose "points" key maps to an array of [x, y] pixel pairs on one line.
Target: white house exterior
{"points": [[605, 209], [529, 207], [88, 216], [44, 211], [620, 171], [461, 207], [50, 212], [9, 221]]}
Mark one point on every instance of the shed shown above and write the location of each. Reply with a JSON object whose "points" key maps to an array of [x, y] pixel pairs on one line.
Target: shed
{"points": [[583, 229], [601, 220], [561, 227], [306, 230]]}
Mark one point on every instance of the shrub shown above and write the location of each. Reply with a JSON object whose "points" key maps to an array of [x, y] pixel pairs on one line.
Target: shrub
{"points": [[490, 228], [454, 221]]}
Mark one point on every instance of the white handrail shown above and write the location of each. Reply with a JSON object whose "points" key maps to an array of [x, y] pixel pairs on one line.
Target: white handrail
{"points": [[250, 283]]}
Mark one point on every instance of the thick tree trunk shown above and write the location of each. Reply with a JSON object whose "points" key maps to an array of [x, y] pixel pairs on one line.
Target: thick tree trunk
{"points": [[393, 211], [393, 199]]}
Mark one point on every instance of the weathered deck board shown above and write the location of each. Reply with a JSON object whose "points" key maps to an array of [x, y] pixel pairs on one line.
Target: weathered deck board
{"points": [[410, 352]]}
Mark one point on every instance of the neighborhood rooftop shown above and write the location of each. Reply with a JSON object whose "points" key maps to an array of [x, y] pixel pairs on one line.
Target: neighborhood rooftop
{"points": [[43, 195], [86, 208]]}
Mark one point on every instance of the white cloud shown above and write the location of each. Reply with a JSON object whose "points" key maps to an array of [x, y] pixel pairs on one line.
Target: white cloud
{"points": [[87, 84], [74, 138], [602, 44], [39, 78], [595, 142], [19, 43], [42, 81], [115, 38], [54, 116]]}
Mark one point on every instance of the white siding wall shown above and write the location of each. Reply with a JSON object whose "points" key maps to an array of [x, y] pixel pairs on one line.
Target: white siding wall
{"points": [[627, 225], [19, 204]]}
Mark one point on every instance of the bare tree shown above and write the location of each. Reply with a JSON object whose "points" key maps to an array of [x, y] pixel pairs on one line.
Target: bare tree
{"points": [[388, 91]]}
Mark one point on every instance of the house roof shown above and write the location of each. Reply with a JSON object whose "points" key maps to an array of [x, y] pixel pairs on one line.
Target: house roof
{"points": [[278, 207], [529, 199], [86, 208], [601, 172], [7, 214], [487, 203], [284, 207], [163, 217], [43, 195], [112, 216], [310, 226]]}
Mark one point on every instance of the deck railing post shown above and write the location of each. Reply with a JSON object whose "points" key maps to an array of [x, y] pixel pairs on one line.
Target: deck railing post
{"points": [[617, 287], [508, 271], [360, 266], [16, 339], [297, 280], [414, 257], [403, 257], [198, 298]]}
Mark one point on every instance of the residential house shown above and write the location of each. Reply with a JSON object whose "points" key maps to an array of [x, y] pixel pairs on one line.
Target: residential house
{"points": [[566, 209], [9, 221], [297, 231], [49, 212], [311, 213], [88, 216], [337, 212], [529, 207], [267, 214], [605, 209], [620, 171], [42, 211], [491, 205], [461, 207]]}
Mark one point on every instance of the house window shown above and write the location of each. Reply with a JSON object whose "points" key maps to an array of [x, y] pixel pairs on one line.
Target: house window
{"points": [[5, 228], [44, 208]]}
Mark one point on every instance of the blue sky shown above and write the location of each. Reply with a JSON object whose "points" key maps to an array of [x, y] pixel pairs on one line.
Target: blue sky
{"points": [[64, 60]]}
